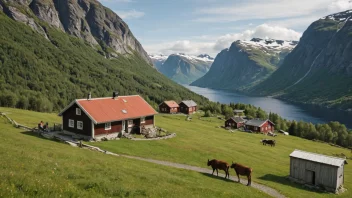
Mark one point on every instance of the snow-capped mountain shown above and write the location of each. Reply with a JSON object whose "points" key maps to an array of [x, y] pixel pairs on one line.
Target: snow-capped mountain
{"points": [[158, 59], [339, 17], [268, 44], [183, 68], [319, 70], [246, 63]]}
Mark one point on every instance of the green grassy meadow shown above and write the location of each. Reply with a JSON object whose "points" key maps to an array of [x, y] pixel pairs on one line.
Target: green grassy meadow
{"points": [[202, 139], [196, 141], [34, 167]]}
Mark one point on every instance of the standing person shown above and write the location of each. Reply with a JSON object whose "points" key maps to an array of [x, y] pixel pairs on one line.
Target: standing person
{"points": [[41, 125]]}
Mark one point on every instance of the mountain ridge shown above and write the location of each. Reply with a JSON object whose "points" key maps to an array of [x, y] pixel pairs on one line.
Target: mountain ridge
{"points": [[245, 64], [319, 70], [183, 68], [85, 19], [46, 73]]}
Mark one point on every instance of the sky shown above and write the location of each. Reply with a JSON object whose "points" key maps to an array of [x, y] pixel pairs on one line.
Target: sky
{"points": [[208, 26]]}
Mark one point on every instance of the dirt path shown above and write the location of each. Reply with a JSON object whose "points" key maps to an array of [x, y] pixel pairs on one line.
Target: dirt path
{"points": [[270, 191]]}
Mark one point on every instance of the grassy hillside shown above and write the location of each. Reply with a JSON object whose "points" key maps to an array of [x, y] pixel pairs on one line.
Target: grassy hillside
{"points": [[46, 75], [200, 139], [35, 167]]}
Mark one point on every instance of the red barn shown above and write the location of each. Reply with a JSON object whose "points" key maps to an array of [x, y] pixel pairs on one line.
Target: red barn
{"points": [[235, 122], [169, 107], [95, 118], [261, 126], [188, 106]]}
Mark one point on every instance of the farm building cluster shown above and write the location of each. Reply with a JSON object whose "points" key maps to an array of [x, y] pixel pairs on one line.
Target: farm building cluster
{"points": [[255, 125], [185, 106]]}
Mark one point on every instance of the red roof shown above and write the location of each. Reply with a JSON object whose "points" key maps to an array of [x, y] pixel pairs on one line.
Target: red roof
{"points": [[171, 103], [102, 110]]}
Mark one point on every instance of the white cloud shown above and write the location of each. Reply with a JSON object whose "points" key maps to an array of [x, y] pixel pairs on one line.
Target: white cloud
{"points": [[340, 5], [252, 9], [213, 45], [288, 13], [129, 14]]}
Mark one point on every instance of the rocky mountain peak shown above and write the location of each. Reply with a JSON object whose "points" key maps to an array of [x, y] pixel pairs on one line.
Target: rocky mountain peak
{"points": [[85, 19], [205, 56], [341, 16]]}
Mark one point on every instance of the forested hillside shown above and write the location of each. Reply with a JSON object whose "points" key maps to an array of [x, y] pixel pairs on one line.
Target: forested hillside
{"points": [[46, 74]]}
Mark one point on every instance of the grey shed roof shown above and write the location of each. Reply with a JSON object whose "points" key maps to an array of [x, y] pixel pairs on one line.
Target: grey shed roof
{"points": [[324, 159], [238, 119], [189, 103], [257, 122]]}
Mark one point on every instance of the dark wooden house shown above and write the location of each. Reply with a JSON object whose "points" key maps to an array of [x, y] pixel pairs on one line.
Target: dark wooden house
{"points": [[260, 126], [235, 122], [188, 106], [95, 118], [169, 107], [318, 170]]}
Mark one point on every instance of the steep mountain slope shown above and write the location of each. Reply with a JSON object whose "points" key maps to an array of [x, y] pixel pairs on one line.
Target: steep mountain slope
{"points": [[85, 19], [185, 69], [245, 64], [158, 60], [319, 69], [46, 74]]}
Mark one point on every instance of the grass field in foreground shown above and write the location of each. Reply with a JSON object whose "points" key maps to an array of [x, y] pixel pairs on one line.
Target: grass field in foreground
{"points": [[198, 140], [202, 139], [34, 167]]}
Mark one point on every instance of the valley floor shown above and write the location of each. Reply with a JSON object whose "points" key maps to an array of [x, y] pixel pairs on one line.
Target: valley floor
{"points": [[78, 170]]}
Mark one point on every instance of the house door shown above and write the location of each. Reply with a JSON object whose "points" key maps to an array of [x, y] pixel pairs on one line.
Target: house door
{"points": [[123, 126], [310, 177]]}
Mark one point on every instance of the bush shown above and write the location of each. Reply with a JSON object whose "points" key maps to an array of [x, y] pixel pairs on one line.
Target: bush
{"points": [[207, 114]]}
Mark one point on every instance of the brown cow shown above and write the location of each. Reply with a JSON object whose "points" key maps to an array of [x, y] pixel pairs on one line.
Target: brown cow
{"points": [[217, 164], [270, 142], [243, 170]]}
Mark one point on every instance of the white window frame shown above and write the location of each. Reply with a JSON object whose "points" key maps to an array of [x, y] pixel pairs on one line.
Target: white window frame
{"points": [[143, 120], [108, 126], [130, 123], [78, 111], [71, 123], [80, 125]]}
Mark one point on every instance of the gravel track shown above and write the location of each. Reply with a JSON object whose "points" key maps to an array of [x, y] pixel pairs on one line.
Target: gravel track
{"points": [[270, 191]]}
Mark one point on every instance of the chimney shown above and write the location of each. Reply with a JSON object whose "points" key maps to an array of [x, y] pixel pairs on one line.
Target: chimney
{"points": [[89, 96], [115, 94]]}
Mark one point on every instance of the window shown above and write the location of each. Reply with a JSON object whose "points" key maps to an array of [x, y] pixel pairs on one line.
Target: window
{"points": [[108, 126], [130, 123], [80, 125], [78, 111], [255, 128], [143, 120], [266, 128], [269, 127], [71, 123]]}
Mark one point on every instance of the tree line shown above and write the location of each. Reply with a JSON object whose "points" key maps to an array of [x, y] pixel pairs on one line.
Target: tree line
{"points": [[332, 132]]}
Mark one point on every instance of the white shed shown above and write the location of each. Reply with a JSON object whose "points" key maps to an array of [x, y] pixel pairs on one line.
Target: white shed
{"points": [[314, 169]]}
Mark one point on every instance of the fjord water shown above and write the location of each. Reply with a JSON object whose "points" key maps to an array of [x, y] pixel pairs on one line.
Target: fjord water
{"points": [[286, 110]]}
